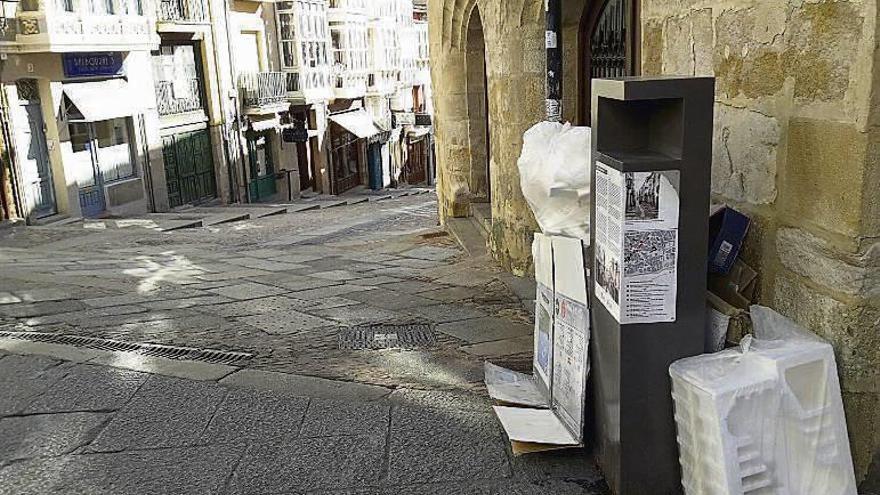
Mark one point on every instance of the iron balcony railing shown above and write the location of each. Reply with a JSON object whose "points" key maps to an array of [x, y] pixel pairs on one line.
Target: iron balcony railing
{"points": [[262, 88], [182, 11], [172, 102]]}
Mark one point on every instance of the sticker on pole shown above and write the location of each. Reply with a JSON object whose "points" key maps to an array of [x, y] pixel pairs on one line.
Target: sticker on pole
{"points": [[637, 244]]}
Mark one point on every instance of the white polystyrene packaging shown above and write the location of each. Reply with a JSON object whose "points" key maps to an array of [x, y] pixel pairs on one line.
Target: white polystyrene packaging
{"points": [[765, 418], [554, 168]]}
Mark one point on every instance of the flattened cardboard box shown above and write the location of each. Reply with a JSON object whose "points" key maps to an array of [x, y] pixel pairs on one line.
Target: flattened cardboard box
{"points": [[547, 408]]}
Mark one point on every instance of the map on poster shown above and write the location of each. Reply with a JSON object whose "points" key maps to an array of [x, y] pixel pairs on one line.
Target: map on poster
{"points": [[570, 362], [637, 244], [544, 333]]}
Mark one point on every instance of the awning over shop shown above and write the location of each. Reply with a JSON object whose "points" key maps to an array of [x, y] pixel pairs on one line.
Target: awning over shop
{"points": [[259, 124], [357, 122], [103, 100]]}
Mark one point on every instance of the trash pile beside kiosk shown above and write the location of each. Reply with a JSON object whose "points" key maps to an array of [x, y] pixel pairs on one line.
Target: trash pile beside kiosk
{"points": [[646, 353]]}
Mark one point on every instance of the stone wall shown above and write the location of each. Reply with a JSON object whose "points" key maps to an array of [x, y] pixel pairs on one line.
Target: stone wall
{"points": [[513, 37], [796, 147]]}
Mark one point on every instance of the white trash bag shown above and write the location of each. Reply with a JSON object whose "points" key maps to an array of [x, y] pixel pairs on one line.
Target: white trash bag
{"points": [[554, 170]]}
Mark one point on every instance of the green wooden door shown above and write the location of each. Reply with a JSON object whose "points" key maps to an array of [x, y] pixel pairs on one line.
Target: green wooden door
{"points": [[262, 167], [189, 168]]}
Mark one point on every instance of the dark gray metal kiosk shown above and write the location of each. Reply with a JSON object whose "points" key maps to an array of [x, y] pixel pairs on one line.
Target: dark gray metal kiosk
{"points": [[652, 154]]}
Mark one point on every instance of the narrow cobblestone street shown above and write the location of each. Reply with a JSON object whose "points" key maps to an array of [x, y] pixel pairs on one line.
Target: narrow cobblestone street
{"points": [[319, 404]]}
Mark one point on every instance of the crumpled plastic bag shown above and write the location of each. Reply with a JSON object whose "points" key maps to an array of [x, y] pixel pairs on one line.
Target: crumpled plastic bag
{"points": [[554, 169]]}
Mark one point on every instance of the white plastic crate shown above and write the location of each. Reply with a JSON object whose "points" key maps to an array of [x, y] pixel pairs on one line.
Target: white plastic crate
{"points": [[764, 419]]}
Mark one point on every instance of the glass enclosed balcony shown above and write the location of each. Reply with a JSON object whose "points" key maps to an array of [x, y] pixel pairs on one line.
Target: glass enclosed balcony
{"points": [[78, 26]]}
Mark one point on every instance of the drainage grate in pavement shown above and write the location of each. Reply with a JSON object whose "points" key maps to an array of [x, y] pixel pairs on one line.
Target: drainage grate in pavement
{"points": [[385, 336], [212, 356]]}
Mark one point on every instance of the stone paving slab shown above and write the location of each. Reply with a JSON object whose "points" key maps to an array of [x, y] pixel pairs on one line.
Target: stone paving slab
{"points": [[310, 464], [260, 306], [23, 379], [248, 416], [387, 299], [247, 290], [445, 313], [484, 329], [182, 471], [517, 345], [47, 434], [286, 322], [305, 385], [8, 298], [267, 265], [153, 419], [432, 253], [326, 418], [358, 315], [88, 388], [329, 291], [463, 445]]}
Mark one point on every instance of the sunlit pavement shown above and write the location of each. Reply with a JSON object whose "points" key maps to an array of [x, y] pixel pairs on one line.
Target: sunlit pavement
{"points": [[304, 414]]}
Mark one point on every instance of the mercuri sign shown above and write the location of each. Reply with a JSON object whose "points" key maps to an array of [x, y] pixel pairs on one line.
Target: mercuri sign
{"points": [[92, 64]]}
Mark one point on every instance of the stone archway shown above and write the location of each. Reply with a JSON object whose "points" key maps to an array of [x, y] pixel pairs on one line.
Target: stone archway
{"points": [[479, 179]]}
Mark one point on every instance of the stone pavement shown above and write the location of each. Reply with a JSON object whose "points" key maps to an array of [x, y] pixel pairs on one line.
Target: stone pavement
{"points": [[280, 287], [73, 428], [305, 414]]}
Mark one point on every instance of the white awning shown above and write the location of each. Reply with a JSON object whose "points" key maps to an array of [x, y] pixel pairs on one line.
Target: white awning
{"points": [[103, 100], [265, 124], [357, 122]]}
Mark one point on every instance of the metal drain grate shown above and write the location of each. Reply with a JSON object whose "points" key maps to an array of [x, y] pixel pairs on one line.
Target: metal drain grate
{"points": [[212, 356], [413, 336]]}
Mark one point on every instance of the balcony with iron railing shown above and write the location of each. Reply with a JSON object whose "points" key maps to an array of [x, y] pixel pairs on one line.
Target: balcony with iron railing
{"points": [[172, 99], [183, 11], [33, 26], [263, 92]]}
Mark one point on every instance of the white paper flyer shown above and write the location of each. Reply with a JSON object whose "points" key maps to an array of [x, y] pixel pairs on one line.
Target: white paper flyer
{"points": [[637, 244], [570, 363]]}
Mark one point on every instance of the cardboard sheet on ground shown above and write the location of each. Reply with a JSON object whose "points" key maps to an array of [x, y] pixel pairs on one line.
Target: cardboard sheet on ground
{"points": [[561, 364]]}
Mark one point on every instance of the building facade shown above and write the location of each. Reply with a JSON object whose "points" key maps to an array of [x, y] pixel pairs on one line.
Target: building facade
{"points": [[81, 107], [795, 134], [212, 101]]}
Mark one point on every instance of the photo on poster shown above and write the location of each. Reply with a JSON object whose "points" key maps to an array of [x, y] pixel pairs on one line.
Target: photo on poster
{"points": [[642, 195], [544, 323], [608, 274]]}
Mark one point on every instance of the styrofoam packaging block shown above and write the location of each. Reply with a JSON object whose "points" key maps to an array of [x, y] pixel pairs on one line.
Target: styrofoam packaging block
{"points": [[763, 419]]}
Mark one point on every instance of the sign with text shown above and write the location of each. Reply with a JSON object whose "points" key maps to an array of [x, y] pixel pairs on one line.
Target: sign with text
{"points": [[92, 64]]}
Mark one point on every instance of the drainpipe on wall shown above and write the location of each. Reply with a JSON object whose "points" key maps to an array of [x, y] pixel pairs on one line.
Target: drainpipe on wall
{"points": [[553, 37]]}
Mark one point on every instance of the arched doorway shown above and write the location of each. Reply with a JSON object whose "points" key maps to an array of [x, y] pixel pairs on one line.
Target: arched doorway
{"points": [[478, 111], [609, 34]]}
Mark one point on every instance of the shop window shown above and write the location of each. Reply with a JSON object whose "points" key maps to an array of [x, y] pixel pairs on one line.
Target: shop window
{"points": [[101, 151]]}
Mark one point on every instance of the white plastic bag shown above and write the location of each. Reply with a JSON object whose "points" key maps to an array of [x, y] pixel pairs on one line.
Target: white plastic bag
{"points": [[554, 169]]}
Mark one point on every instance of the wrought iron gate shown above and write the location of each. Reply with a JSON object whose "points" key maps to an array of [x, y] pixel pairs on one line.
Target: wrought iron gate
{"points": [[189, 168], [608, 41]]}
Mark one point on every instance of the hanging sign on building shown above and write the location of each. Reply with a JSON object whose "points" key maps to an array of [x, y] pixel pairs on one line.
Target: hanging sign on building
{"points": [[92, 64], [405, 118]]}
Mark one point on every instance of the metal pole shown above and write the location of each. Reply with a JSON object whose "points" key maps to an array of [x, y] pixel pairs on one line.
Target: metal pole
{"points": [[553, 11]]}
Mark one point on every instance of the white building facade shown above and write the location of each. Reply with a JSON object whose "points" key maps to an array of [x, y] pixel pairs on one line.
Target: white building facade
{"points": [[121, 107]]}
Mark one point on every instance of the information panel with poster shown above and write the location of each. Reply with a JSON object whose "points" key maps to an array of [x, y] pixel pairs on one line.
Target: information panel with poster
{"points": [[637, 244]]}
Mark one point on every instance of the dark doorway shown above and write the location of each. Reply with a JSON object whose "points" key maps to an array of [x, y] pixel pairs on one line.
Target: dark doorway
{"points": [[609, 34], [478, 111]]}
